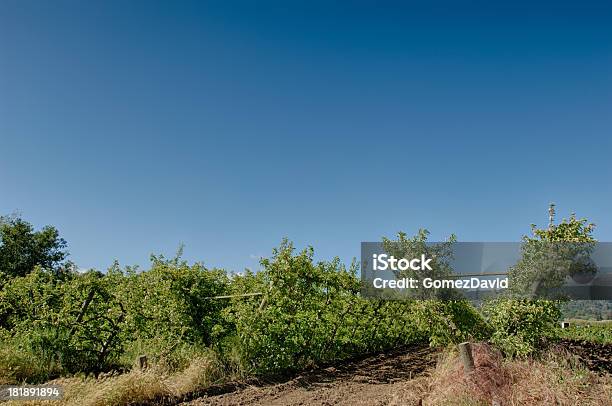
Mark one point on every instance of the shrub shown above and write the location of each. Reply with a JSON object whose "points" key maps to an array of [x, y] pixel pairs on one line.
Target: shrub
{"points": [[521, 327]]}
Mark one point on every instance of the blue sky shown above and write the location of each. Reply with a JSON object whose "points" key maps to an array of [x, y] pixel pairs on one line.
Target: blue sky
{"points": [[134, 126]]}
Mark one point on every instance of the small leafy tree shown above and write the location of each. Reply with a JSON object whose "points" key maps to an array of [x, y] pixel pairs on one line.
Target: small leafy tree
{"points": [[550, 255], [522, 326]]}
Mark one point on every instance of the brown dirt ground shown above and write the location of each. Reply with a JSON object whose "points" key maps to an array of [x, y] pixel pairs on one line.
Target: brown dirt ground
{"points": [[597, 357], [370, 381], [373, 380]]}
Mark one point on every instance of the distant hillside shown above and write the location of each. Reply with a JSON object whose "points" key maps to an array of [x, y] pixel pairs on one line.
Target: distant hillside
{"points": [[588, 310]]}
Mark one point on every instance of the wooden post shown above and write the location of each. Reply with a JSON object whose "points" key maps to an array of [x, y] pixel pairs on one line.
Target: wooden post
{"points": [[142, 362], [465, 349]]}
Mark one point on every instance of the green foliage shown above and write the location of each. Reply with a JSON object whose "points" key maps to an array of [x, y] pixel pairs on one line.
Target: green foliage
{"points": [[169, 305], [312, 313], [306, 315], [545, 266], [550, 256], [303, 313], [569, 230], [592, 331], [521, 327], [18, 363], [40, 311], [22, 248], [441, 254], [94, 322]]}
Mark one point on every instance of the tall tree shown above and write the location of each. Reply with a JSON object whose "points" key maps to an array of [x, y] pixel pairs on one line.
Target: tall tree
{"points": [[22, 248]]}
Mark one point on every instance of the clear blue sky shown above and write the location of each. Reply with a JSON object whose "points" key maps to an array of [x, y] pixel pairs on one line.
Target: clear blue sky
{"points": [[136, 126]]}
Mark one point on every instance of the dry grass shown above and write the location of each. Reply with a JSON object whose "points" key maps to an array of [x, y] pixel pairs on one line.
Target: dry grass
{"points": [[135, 386], [555, 380]]}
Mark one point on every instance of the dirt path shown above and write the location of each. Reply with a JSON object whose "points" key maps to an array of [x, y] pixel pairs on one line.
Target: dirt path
{"points": [[370, 381]]}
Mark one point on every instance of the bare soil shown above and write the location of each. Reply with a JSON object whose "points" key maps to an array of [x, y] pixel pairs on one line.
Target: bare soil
{"points": [[370, 381], [597, 357]]}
